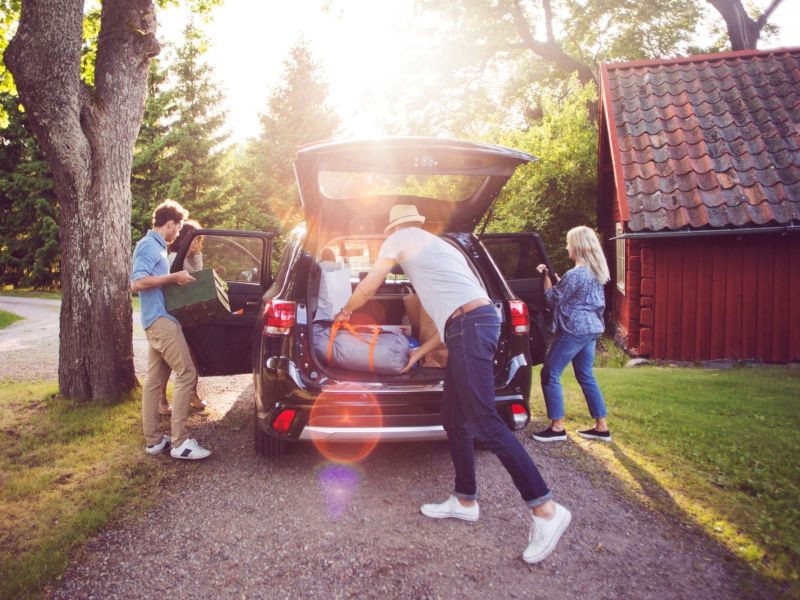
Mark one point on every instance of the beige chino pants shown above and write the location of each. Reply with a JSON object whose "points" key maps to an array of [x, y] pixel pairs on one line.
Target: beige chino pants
{"points": [[168, 352]]}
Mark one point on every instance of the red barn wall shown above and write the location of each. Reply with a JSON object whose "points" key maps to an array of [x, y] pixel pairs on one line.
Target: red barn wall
{"points": [[707, 298]]}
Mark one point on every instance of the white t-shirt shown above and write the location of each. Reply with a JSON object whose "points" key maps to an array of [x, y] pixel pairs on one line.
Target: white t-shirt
{"points": [[438, 271]]}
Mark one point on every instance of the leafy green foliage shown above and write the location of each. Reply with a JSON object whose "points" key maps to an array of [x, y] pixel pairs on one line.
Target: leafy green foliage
{"points": [[195, 137], [262, 187], [558, 191], [151, 175], [29, 252]]}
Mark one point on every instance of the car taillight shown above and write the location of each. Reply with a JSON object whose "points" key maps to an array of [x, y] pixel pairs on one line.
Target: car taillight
{"points": [[284, 420], [520, 416], [519, 316], [278, 317]]}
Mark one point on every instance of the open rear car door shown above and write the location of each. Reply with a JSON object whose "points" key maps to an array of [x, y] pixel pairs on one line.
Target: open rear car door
{"points": [[517, 256], [224, 345]]}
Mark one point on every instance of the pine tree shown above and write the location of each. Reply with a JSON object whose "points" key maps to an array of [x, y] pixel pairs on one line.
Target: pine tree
{"points": [[195, 154], [150, 178], [29, 253], [262, 177]]}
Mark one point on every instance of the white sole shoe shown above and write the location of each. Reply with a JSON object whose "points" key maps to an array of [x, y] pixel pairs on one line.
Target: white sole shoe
{"points": [[545, 534], [190, 450], [451, 509], [162, 446]]}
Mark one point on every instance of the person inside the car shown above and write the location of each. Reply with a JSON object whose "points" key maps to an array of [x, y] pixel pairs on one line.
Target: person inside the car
{"points": [[578, 302], [468, 322]]}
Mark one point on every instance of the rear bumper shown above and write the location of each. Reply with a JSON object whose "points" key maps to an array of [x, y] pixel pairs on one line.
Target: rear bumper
{"points": [[346, 412], [368, 434]]}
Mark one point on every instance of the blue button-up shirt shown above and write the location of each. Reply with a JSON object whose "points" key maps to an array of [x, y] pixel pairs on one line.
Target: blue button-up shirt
{"points": [[577, 302], [150, 258]]}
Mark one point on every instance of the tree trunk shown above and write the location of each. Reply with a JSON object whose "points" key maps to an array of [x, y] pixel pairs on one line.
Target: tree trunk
{"points": [[88, 136], [743, 32]]}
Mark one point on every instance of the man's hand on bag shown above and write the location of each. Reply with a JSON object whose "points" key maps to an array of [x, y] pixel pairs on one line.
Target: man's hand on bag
{"points": [[415, 355], [342, 316], [182, 277]]}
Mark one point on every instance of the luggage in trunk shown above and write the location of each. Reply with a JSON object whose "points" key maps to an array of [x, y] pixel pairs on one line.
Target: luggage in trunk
{"points": [[365, 348]]}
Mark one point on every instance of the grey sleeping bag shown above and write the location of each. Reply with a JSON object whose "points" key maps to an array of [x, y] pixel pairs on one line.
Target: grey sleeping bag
{"points": [[389, 349]]}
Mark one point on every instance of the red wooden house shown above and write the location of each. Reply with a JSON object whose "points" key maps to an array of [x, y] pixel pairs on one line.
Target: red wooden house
{"points": [[699, 199]]}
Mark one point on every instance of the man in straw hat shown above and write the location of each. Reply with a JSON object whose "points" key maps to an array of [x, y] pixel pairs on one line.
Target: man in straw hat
{"points": [[466, 319]]}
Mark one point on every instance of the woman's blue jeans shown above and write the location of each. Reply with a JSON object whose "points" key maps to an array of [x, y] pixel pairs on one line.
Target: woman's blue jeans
{"points": [[469, 412], [578, 349]]}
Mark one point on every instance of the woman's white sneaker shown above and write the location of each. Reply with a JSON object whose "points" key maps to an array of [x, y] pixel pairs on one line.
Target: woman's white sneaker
{"points": [[451, 508], [544, 535], [190, 450]]}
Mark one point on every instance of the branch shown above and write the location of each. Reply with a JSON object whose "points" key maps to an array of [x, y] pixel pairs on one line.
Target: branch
{"points": [[762, 20], [550, 50], [548, 20]]}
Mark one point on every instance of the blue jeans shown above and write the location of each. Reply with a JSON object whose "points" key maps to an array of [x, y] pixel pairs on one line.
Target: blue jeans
{"points": [[580, 350], [469, 412]]}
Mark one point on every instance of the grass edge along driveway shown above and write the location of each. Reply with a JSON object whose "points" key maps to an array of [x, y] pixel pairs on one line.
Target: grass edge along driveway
{"points": [[66, 471], [719, 448]]}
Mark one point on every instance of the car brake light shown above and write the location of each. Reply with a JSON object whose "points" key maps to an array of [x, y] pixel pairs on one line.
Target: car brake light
{"points": [[520, 416], [284, 420], [519, 316], [278, 317]]}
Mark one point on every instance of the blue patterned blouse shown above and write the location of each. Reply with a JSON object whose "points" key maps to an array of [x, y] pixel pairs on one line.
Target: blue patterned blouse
{"points": [[577, 302]]}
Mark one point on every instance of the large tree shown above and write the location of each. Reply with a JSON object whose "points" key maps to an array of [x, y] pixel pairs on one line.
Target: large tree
{"points": [[87, 133], [743, 30]]}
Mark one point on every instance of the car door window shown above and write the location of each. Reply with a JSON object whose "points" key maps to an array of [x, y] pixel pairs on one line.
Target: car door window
{"points": [[234, 258]]}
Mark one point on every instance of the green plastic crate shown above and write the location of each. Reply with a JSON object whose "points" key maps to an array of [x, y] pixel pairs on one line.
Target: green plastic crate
{"points": [[199, 302]]}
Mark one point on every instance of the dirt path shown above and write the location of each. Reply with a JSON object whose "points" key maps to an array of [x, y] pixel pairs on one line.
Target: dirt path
{"points": [[240, 526], [29, 348]]}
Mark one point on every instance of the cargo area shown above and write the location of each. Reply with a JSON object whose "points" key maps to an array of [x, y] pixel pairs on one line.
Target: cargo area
{"points": [[394, 310]]}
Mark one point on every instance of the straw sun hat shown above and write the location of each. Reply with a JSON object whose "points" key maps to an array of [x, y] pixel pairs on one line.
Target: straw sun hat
{"points": [[403, 213]]}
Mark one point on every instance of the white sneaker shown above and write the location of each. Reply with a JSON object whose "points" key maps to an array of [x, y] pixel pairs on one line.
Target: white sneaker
{"points": [[190, 450], [544, 535], [451, 508], [159, 447]]}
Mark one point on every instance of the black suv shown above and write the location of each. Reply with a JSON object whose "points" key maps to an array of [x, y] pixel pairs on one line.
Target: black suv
{"points": [[347, 190]]}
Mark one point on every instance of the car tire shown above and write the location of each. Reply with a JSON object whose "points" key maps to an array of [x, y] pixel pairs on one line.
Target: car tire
{"points": [[266, 445]]}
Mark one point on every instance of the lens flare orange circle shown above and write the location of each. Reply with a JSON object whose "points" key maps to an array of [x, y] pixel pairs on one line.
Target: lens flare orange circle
{"points": [[361, 411]]}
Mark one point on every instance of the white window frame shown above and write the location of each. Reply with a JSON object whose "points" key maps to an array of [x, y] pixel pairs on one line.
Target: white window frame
{"points": [[618, 231]]}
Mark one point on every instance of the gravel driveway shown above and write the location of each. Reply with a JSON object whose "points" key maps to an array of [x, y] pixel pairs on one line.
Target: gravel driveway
{"points": [[238, 526]]}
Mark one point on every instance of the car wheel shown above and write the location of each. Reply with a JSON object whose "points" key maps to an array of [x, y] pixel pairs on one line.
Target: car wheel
{"points": [[266, 445]]}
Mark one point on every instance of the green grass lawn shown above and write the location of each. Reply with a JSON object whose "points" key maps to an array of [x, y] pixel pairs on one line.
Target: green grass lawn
{"points": [[66, 471], [720, 448], [7, 318]]}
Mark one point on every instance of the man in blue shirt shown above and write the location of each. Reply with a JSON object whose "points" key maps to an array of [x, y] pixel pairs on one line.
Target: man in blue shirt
{"points": [[168, 349]]}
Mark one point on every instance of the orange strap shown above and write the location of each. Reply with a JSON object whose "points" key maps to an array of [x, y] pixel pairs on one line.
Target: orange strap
{"points": [[372, 343]]}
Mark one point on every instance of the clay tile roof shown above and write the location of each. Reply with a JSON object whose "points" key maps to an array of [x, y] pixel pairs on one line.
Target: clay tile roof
{"points": [[705, 141]]}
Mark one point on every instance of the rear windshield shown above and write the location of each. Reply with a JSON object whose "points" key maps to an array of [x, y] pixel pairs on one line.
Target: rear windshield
{"points": [[340, 185], [361, 253]]}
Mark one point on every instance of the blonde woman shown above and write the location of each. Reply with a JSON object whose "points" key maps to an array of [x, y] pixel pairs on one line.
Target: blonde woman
{"points": [[577, 302]]}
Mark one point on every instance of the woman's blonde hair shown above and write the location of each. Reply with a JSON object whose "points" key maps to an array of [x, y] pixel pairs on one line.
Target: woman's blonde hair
{"points": [[586, 248]]}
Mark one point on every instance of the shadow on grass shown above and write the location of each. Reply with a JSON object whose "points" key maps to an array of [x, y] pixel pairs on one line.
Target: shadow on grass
{"points": [[658, 500]]}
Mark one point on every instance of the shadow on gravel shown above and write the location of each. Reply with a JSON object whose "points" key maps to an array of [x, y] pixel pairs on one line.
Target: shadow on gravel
{"points": [[753, 584]]}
